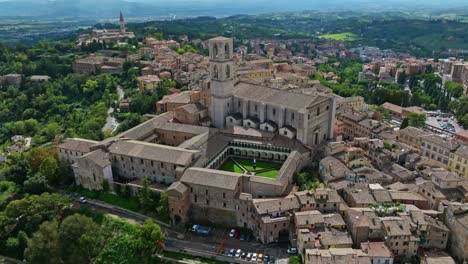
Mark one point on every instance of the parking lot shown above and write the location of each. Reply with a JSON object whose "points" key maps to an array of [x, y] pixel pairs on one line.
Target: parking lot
{"points": [[238, 247], [444, 121]]}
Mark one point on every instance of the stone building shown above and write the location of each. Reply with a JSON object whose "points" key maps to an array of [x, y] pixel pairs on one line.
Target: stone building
{"points": [[399, 238], [108, 35], [95, 64], [378, 252], [336, 255], [307, 118], [148, 83], [456, 219]]}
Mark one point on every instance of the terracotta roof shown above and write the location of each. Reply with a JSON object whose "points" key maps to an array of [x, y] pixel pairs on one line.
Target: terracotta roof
{"points": [[268, 206], [376, 249], [98, 157], [211, 178], [150, 151], [77, 144], [276, 97]]}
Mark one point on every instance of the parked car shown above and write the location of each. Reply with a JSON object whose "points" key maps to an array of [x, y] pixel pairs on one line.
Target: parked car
{"points": [[292, 250], [260, 258], [238, 253], [232, 252], [248, 257], [243, 255], [83, 200], [232, 233], [242, 237], [236, 235], [201, 230], [266, 258], [254, 257]]}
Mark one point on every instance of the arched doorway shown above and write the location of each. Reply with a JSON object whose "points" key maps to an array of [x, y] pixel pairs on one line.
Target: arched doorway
{"points": [[283, 236], [177, 219]]}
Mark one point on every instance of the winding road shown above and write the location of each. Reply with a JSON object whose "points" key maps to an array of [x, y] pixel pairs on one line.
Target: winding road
{"points": [[111, 122]]}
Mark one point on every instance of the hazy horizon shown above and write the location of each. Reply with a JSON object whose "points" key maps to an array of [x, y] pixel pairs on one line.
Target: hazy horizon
{"points": [[140, 8]]}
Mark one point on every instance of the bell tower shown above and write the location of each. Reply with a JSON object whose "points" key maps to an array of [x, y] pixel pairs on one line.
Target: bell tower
{"points": [[222, 79], [122, 23]]}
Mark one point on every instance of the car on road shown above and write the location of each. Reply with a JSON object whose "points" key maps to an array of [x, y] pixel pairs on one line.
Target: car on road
{"points": [[292, 250], [231, 253], [83, 200], [260, 258], [232, 233], [238, 253], [248, 257], [254, 257]]}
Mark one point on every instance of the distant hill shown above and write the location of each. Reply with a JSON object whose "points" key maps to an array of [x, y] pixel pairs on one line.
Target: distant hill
{"points": [[71, 8], [153, 8]]}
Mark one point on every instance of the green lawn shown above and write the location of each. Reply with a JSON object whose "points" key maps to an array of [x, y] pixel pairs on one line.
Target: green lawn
{"points": [[230, 166], [345, 36], [271, 167], [129, 203]]}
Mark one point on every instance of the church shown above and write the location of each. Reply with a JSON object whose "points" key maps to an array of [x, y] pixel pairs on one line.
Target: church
{"points": [[307, 118], [108, 35]]}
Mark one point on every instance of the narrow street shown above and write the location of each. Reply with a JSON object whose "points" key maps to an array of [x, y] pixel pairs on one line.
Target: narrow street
{"points": [[188, 241], [111, 122]]}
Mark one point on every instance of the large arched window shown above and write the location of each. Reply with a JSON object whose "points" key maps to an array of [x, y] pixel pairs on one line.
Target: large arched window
{"points": [[215, 72], [215, 51], [227, 51], [228, 71]]}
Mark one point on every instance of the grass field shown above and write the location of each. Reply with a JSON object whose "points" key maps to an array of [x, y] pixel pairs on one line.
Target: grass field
{"points": [[129, 203], [271, 168], [345, 36], [230, 166]]}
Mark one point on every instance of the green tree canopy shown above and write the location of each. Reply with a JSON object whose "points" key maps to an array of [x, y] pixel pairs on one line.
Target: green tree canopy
{"points": [[44, 246], [417, 120]]}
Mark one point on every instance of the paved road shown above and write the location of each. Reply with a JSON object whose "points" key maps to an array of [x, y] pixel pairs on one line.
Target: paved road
{"points": [[111, 122], [8, 260], [189, 241]]}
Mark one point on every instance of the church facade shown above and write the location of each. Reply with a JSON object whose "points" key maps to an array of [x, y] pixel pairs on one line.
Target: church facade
{"points": [[307, 118]]}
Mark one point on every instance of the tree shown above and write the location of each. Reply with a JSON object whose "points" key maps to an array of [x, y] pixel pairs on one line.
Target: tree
{"points": [[44, 246], [294, 260], [417, 120], [152, 237], [49, 169], [18, 169], [146, 203], [163, 207], [51, 130], [36, 184], [105, 186], [455, 89], [30, 212], [385, 113], [90, 86], [404, 124], [72, 244], [7, 191], [402, 77]]}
